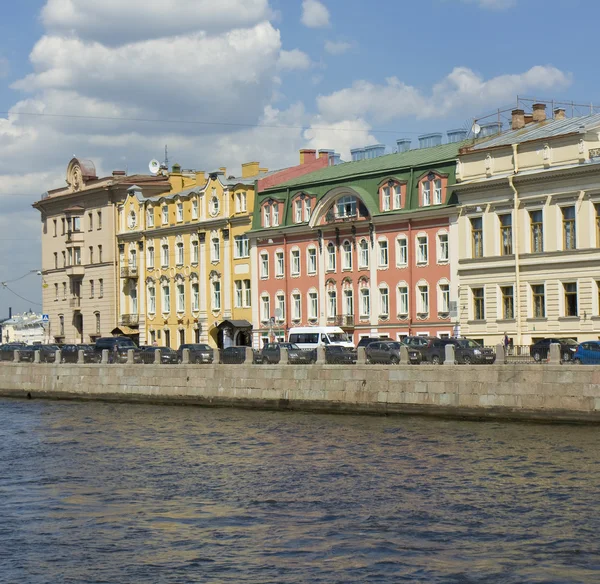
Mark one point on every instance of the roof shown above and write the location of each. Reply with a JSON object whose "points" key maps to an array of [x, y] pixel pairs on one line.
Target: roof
{"points": [[236, 324], [387, 162], [540, 131], [125, 330]]}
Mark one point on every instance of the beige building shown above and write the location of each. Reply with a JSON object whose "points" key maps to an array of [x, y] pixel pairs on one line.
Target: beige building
{"points": [[529, 230], [79, 250]]}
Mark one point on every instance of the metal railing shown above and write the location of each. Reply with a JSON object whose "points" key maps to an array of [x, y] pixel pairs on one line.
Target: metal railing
{"points": [[525, 354]]}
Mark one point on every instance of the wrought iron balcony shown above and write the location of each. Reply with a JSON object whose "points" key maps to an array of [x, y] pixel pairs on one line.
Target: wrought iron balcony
{"points": [[130, 319], [129, 272]]}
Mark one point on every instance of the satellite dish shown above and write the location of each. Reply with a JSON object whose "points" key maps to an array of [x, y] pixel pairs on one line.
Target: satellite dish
{"points": [[154, 166], [476, 128]]}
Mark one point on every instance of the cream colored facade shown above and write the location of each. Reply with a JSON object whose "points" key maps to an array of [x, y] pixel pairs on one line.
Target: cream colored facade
{"points": [[529, 238], [79, 251]]}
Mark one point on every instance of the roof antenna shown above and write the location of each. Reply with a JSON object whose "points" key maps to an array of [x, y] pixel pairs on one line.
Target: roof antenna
{"points": [[166, 157]]}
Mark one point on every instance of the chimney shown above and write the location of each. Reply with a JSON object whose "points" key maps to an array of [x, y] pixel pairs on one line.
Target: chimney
{"points": [[176, 169], [528, 118], [374, 150], [403, 144], [518, 119], [223, 170], [10, 312], [118, 173], [457, 135], [559, 113], [260, 170], [325, 154], [539, 112], [357, 154], [429, 140], [250, 169], [307, 155], [200, 177], [490, 129], [336, 159]]}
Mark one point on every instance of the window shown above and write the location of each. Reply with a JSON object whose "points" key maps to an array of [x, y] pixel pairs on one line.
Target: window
{"points": [[437, 192], [216, 295], [240, 202], [99, 219], [54, 223], [166, 298], [477, 237], [100, 253], [214, 205], [505, 234], [537, 231], [55, 291], [402, 300], [298, 211], [363, 254], [279, 264], [508, 302], [307, 210], [383, 253], [423, 307], [90, 253], [64, 290], [195, 255], [149, 217], [56, 260], [247, 294], [275, 208], [365, 302], [242, 246], [97, 315], [539, 300], [180, 297], [401, 251], [165, 214], [280, 307], [194, 208], [61, 325], [264, 265], [63, 226], [384, 301], [313, 305], [331, 303], [444, 299], [346, 207], [422, 250], [167, 337], [295, 262], [312, 260], [569, 235], [76, 223], [426, 193], [443, 254], [91, 288], [597, 225], [164, 260], [64, 259], [151, 299], [331, 257], [348, 302], [179, 212], [267, 216], [385, 199], [101, 288], [296, 306], [397, 197], [265, 308], [478, 304], [215, 249], [570, 299], [347, 255], [150, 252], [237, 300], [180, 253]]}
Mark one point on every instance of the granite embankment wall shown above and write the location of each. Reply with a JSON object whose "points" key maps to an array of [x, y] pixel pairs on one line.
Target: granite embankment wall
{"points": [[540, 392]]}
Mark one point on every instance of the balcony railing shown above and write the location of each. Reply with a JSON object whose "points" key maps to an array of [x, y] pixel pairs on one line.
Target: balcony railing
{"points": [[130, 319], [343, 320], [75, 303], [129, 272]]}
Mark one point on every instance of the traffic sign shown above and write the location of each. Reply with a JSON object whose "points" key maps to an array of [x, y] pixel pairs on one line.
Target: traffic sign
{"points": [[45, 318]]}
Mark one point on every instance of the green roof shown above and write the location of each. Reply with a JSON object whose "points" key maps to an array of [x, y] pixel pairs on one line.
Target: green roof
{"points": [[388, 162]]}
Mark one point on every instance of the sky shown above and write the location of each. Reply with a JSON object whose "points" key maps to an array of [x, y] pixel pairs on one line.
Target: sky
{"points": [[222, 82]]}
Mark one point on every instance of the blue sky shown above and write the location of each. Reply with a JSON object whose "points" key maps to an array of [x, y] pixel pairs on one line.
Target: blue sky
{"points": [[335, 72]]}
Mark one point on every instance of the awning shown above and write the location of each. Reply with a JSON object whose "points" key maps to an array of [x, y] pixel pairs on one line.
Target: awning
{"points": [[124, 330], [239, 324]]}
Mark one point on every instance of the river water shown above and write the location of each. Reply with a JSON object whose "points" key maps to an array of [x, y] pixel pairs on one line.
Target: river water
{"points": [[117, 493]]}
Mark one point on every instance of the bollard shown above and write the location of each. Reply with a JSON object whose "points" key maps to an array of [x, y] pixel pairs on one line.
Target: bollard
{"points": [[404, 358], [185, 356], [449, 354], [104, 356], [57, 356], [248, 355], [216, 356], [500, 355], [130, 356], [321, 360], [361, 356], [80, 357], [157, 356], [16, 356], [36, 356], [554, 354], [284, 357]]}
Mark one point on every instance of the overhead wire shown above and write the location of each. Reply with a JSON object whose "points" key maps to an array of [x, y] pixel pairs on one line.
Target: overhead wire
{"points": [[5, 287]]}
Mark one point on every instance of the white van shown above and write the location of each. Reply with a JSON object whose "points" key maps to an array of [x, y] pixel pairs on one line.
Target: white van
{"points": [[310, 337]]}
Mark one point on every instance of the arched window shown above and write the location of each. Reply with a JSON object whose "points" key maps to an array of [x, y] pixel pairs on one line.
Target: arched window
{"points": [[363, 254], [384, 301], [347, 255], [331, 257]]}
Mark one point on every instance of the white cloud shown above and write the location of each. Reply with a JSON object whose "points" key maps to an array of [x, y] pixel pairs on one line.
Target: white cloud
{"points": [[461, 90], [493, 4], [118, 21], [314, 14], [4, 67], [293, 60], [337, 48]]}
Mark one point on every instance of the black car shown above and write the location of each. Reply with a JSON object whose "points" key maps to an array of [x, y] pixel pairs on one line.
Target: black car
{"points": [[47, 352], [541, 349], [336, 354], [7, 351], [417, 342], [366, 341], [70, 353], [237, 355], [466, 351], [271, 353], [117, 348], [199, 353], [383, 352], [168, 356]]}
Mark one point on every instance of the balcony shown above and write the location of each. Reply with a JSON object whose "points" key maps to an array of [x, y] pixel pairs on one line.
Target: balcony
{"points": [[130, 319], [129, 272], [75, 271], [343, 320], [74, 236], [75, 303]]}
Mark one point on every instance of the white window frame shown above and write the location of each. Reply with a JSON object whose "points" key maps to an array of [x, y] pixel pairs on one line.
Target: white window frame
{"points": [[195, 296], [307, 209], [298, 211], [267, 216], [149, 217], [164, 255], [216, 295], [383, 255], [241, 247], [265, 308], [179, 212], [152, 299], [295, 262], [180, 288], [401, 251], [279, 264], [426, 193], [180, 253], [296, 306], [194, 208], [443, 297], [165, 214], [440, 256], [386, 199], [215, 249], [311, 261], [403, 297], [238, 294], [423, 298], [264, 265], [422, 250], [275, 210], [346, 255], [384, 300], [194, 251], [437, 191], [331, 257], [332, 303], [280, 305], [313, 304], [363, 254], [397, 196], [365, 302], [247, 288], [166, 297]]}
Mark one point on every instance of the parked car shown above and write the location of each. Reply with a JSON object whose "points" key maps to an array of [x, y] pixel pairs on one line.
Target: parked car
{"points": [[237, 354], [168, 356], [417, 342], [47, 352], [383, 352], [466, 351], [311, 337], [540, 350], [70, 353], [118, 354], [366, 341], [271, 353], [7, 351], [26, 353], [199, 353], [336, 354], [587, 353]]}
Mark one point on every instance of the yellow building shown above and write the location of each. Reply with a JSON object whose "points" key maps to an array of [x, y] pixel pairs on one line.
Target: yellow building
{"points": [[185, 261]]}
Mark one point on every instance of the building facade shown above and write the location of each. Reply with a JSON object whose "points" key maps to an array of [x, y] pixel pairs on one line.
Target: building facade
{"points": [[366, 245], [529, 230]]}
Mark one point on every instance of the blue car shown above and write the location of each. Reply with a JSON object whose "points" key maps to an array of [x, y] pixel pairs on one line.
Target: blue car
{"points": [[587, 353]]}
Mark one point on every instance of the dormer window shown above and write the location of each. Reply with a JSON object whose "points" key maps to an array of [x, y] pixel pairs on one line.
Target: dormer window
{"points": [[298, 211], [346, 207], [432, 190], [307, 209], [267, 215], [214, 205], [390, 196], [426, 193], [165, 214]]}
